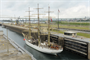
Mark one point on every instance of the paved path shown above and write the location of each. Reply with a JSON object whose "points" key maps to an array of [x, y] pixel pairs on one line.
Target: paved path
{"points": [[2, 51], [88, 32]]}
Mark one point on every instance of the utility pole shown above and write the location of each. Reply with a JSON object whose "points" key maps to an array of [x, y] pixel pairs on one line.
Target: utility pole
{"points": [[15, 19], [80, 22], [58, 18], [39, 41], [25, 20], [19, 20], [49, 24], [11, 21]]}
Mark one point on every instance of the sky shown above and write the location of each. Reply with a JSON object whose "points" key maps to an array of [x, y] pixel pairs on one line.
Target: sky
{"points": [[67, 8]]}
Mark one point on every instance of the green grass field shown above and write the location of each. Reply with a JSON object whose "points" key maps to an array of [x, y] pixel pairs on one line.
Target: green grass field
{"points": [[79, 34], [75, 23], [65, 26], [84, 34]]}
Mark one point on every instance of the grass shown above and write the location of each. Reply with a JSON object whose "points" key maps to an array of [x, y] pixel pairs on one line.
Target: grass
{"points": [[79, 34], [74, 23], [64, 26], [57, 31], [75, 27], [84, 34]]}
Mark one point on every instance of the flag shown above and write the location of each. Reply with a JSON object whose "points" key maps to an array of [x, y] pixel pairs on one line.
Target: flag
{"points": [[58, 11], [51, 19]]}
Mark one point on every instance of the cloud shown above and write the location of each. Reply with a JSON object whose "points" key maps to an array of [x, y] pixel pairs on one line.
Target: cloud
{"points": [[68, 9], [77, 11]]}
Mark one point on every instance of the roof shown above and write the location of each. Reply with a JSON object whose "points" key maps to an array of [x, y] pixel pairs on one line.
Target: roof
{"points": [[69, 32]]}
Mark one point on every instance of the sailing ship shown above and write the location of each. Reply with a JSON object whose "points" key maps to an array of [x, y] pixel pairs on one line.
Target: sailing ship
{"points": [[46, 46]]}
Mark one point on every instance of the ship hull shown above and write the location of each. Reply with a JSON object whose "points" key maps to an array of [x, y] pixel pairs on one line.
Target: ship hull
{"points": [[44, 50]]}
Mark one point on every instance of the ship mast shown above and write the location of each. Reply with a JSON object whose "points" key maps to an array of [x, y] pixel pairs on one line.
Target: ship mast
{"points": [[29, 25], [38, 24], [38, 27], [49, 24]]}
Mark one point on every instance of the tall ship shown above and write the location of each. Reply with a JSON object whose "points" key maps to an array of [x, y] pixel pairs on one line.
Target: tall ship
{"points": [[45, 46]]}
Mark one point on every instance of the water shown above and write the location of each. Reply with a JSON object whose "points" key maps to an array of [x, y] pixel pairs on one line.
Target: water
{"points": [[65, 55]]}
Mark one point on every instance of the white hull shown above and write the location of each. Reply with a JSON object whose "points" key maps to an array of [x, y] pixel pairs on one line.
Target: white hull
{"points": [[44, 50]]}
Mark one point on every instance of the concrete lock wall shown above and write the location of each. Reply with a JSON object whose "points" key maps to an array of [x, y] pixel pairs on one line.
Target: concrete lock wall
{"points": [[88, 50], [61, 41]]}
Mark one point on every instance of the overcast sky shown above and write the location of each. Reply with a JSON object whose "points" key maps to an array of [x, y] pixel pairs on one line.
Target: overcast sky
{"points": [[68, 8]]}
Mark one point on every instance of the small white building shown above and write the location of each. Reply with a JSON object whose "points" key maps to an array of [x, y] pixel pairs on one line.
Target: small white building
{"points": [[70, 33]]}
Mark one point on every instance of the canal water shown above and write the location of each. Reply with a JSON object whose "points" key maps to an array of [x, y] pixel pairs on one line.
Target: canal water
{"points": [[65, 55]]}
